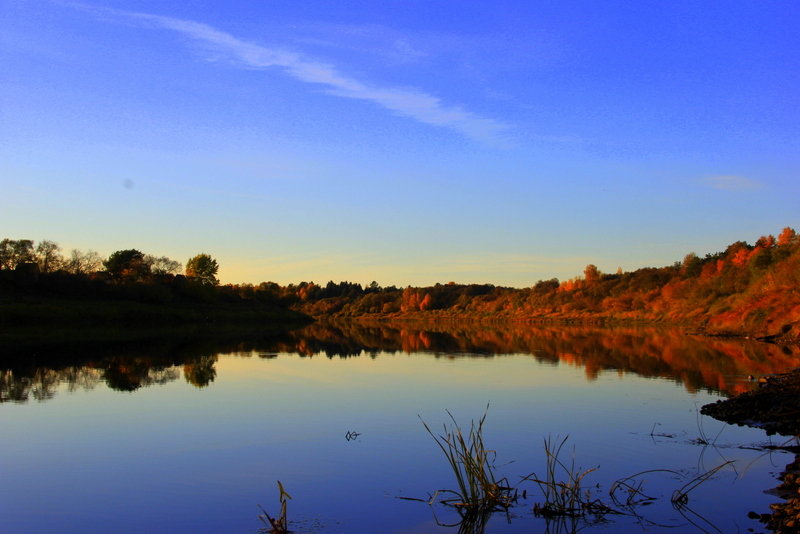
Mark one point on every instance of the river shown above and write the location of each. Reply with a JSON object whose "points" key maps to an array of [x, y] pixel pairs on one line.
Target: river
{"points": [[191, 433]]}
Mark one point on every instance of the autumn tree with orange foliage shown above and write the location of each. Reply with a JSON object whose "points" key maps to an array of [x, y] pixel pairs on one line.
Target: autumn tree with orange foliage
{"points": [[787, 237]]}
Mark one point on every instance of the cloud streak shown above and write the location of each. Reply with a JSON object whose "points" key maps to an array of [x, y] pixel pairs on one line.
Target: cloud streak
{"points": [[732, 183], [408, 102]]}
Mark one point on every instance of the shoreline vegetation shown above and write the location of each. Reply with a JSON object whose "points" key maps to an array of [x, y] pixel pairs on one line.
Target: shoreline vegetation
{"points": [[744, 291]]}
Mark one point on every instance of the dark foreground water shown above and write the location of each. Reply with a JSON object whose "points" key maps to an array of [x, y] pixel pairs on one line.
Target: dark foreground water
{"points": [[191, 433]]}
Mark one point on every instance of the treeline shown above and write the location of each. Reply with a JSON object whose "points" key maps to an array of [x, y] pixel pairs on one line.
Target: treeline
{"points": [[129, 265], [39, 284], [745, 289], [42, 269], [753, 289]]}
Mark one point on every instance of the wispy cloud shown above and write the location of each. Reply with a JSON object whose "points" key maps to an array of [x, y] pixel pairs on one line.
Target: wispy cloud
{"points": [[406, 51], [732, 183], [409, 102], [384, 42]]}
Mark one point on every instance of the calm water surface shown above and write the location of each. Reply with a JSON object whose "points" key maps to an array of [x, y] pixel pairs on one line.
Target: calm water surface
{"points": [[190, 435]]}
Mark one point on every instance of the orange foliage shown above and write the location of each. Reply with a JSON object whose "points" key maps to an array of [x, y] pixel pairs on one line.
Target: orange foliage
{"points": [[742, 290], [426, 303], [697, 362], [766, 241], [569, 285], [786, 237], [740, 257]]}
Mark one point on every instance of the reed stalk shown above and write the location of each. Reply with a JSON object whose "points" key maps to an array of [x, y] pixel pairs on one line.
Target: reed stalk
{"points": [[478, 490], [280, 524], [561, 485]]}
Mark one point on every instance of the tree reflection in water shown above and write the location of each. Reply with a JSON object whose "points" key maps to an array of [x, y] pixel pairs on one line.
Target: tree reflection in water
{"points": [[200, 371], [715, 364]]}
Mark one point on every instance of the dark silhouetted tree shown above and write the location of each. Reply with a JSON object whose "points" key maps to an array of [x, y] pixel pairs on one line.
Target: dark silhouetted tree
{"points": [[127, 265], [48, 256], [83, 262], [14, 252], [163, 265]]}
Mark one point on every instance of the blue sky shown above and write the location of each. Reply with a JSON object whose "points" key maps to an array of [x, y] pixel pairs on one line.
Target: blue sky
{"points": [[408, 142]]}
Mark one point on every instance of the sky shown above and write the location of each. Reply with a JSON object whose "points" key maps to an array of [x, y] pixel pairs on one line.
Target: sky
{"points": [[402, 141]]}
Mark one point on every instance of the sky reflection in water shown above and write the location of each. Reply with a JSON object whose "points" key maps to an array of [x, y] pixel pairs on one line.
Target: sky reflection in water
{"points": [[175, 457]]}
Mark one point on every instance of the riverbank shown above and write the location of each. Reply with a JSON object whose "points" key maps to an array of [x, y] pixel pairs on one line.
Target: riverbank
{"points": [[26, 310], [744, 291]]}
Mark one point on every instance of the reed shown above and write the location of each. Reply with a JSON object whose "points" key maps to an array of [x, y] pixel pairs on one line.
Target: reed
{"points": [[567, 500], [703, 438], [680, 497], [478, 489], [632, 488], [562, 486], [280, 524]]}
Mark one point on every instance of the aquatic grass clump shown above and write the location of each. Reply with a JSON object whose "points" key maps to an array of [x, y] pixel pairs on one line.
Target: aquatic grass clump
{"points": [[568, 501], [478, 490], [280, 524], [562, 486]]}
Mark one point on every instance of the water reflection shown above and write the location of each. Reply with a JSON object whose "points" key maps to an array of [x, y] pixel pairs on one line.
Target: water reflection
{"points": [[200, 372], [41, 383], [697, 362], [34, 371], [34, 367]]}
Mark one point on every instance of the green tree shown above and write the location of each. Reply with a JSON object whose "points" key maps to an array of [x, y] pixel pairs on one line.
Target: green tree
{"points": [[127, 265], [203, 268]]}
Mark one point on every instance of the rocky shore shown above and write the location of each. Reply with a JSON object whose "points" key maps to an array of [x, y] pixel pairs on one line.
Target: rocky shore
{"points": [[775, 407]]}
